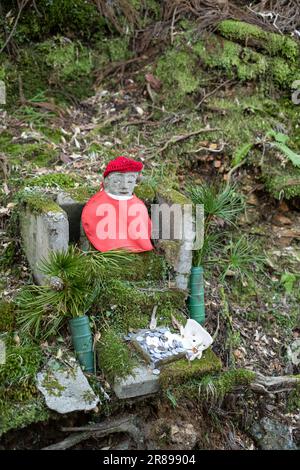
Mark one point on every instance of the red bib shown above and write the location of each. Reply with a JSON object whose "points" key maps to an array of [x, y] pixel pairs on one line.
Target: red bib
{"points": [[112, 224]]}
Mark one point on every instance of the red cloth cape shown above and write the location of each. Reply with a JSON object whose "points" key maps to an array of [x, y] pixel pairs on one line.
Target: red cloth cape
{"points": [[112, 224]]}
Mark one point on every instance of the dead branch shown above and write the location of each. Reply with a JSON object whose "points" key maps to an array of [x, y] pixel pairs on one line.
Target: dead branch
{"points": [[233, 169], [213, 92], [269, 385], [207, 149], [124, 425], [8, 39], [179, 138]]}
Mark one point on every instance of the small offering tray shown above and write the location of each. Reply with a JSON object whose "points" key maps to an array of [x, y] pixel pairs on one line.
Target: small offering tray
{"points": [[158, 346]]}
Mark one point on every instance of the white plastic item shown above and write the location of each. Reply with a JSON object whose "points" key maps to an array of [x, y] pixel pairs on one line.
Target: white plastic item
{"points": [[195, 339]]}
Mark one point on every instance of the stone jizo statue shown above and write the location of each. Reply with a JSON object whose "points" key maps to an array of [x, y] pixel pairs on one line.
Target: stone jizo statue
{"points": [[114, 218]]}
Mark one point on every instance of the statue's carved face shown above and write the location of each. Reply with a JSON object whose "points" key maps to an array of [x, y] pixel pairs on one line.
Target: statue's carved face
{"points": [[120, 184]]}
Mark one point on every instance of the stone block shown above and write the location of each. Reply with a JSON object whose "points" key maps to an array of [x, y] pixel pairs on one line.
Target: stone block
{"points": [[141, 382], [42, 233], [177, 250], [73, 210]]}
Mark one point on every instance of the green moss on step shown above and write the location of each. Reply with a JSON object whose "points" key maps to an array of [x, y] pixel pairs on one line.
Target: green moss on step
{"points": [[37, 202], [114, 357], [127, 307], [181, 371], [82, 193], [147, 266], [272, 43], [7, 316]]}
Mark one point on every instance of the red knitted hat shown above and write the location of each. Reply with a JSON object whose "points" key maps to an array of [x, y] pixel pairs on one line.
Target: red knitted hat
{"points": [[122, 164]]}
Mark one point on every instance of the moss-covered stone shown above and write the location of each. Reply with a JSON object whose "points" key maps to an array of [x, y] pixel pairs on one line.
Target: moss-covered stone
{"points": [[181, 371], [37, 202], [147, 266], [248, 34], [245, 63]]}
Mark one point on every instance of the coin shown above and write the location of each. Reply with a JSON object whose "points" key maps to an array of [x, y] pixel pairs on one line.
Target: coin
{"points": [[156, 371]]}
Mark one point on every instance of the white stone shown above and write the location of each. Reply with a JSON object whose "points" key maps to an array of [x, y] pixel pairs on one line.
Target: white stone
{"points": [[66, 389]]}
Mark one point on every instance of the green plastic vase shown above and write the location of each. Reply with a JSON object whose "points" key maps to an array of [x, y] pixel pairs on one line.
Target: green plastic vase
{"points": [[196, 298], [83, 342]]}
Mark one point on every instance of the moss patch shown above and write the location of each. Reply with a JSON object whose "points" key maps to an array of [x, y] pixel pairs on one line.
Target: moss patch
{"points": [[7, 316], [20, 415], [177, 70], [145, 192], [54, 180], [126, 307], [272, 43], [37, 202], [39, 154], [115, 358], [171, 196], [183, 370]]}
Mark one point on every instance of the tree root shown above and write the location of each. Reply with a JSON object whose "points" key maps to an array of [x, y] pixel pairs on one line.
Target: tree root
{"points": [[268, 385], [127, 424]]}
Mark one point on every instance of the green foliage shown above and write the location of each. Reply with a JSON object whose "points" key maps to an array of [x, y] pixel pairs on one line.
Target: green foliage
{"points": [[241, 153], [288, 280], [115, 359], [75, 282], [280, 144], [17, 374], [241, 258], [7, 316], [222, 202], [53, 180], [66, 59], [293, 404], [245, 63], [221, 206], [118, 49], [66, 17]]}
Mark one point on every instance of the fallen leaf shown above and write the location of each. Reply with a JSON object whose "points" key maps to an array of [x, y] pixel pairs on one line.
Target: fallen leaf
{"points": [[280, 219]]}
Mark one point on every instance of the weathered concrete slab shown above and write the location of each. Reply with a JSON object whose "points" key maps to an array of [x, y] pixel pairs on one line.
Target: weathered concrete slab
{"points": [[42, 233], [66, 389], [141, 382]]}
